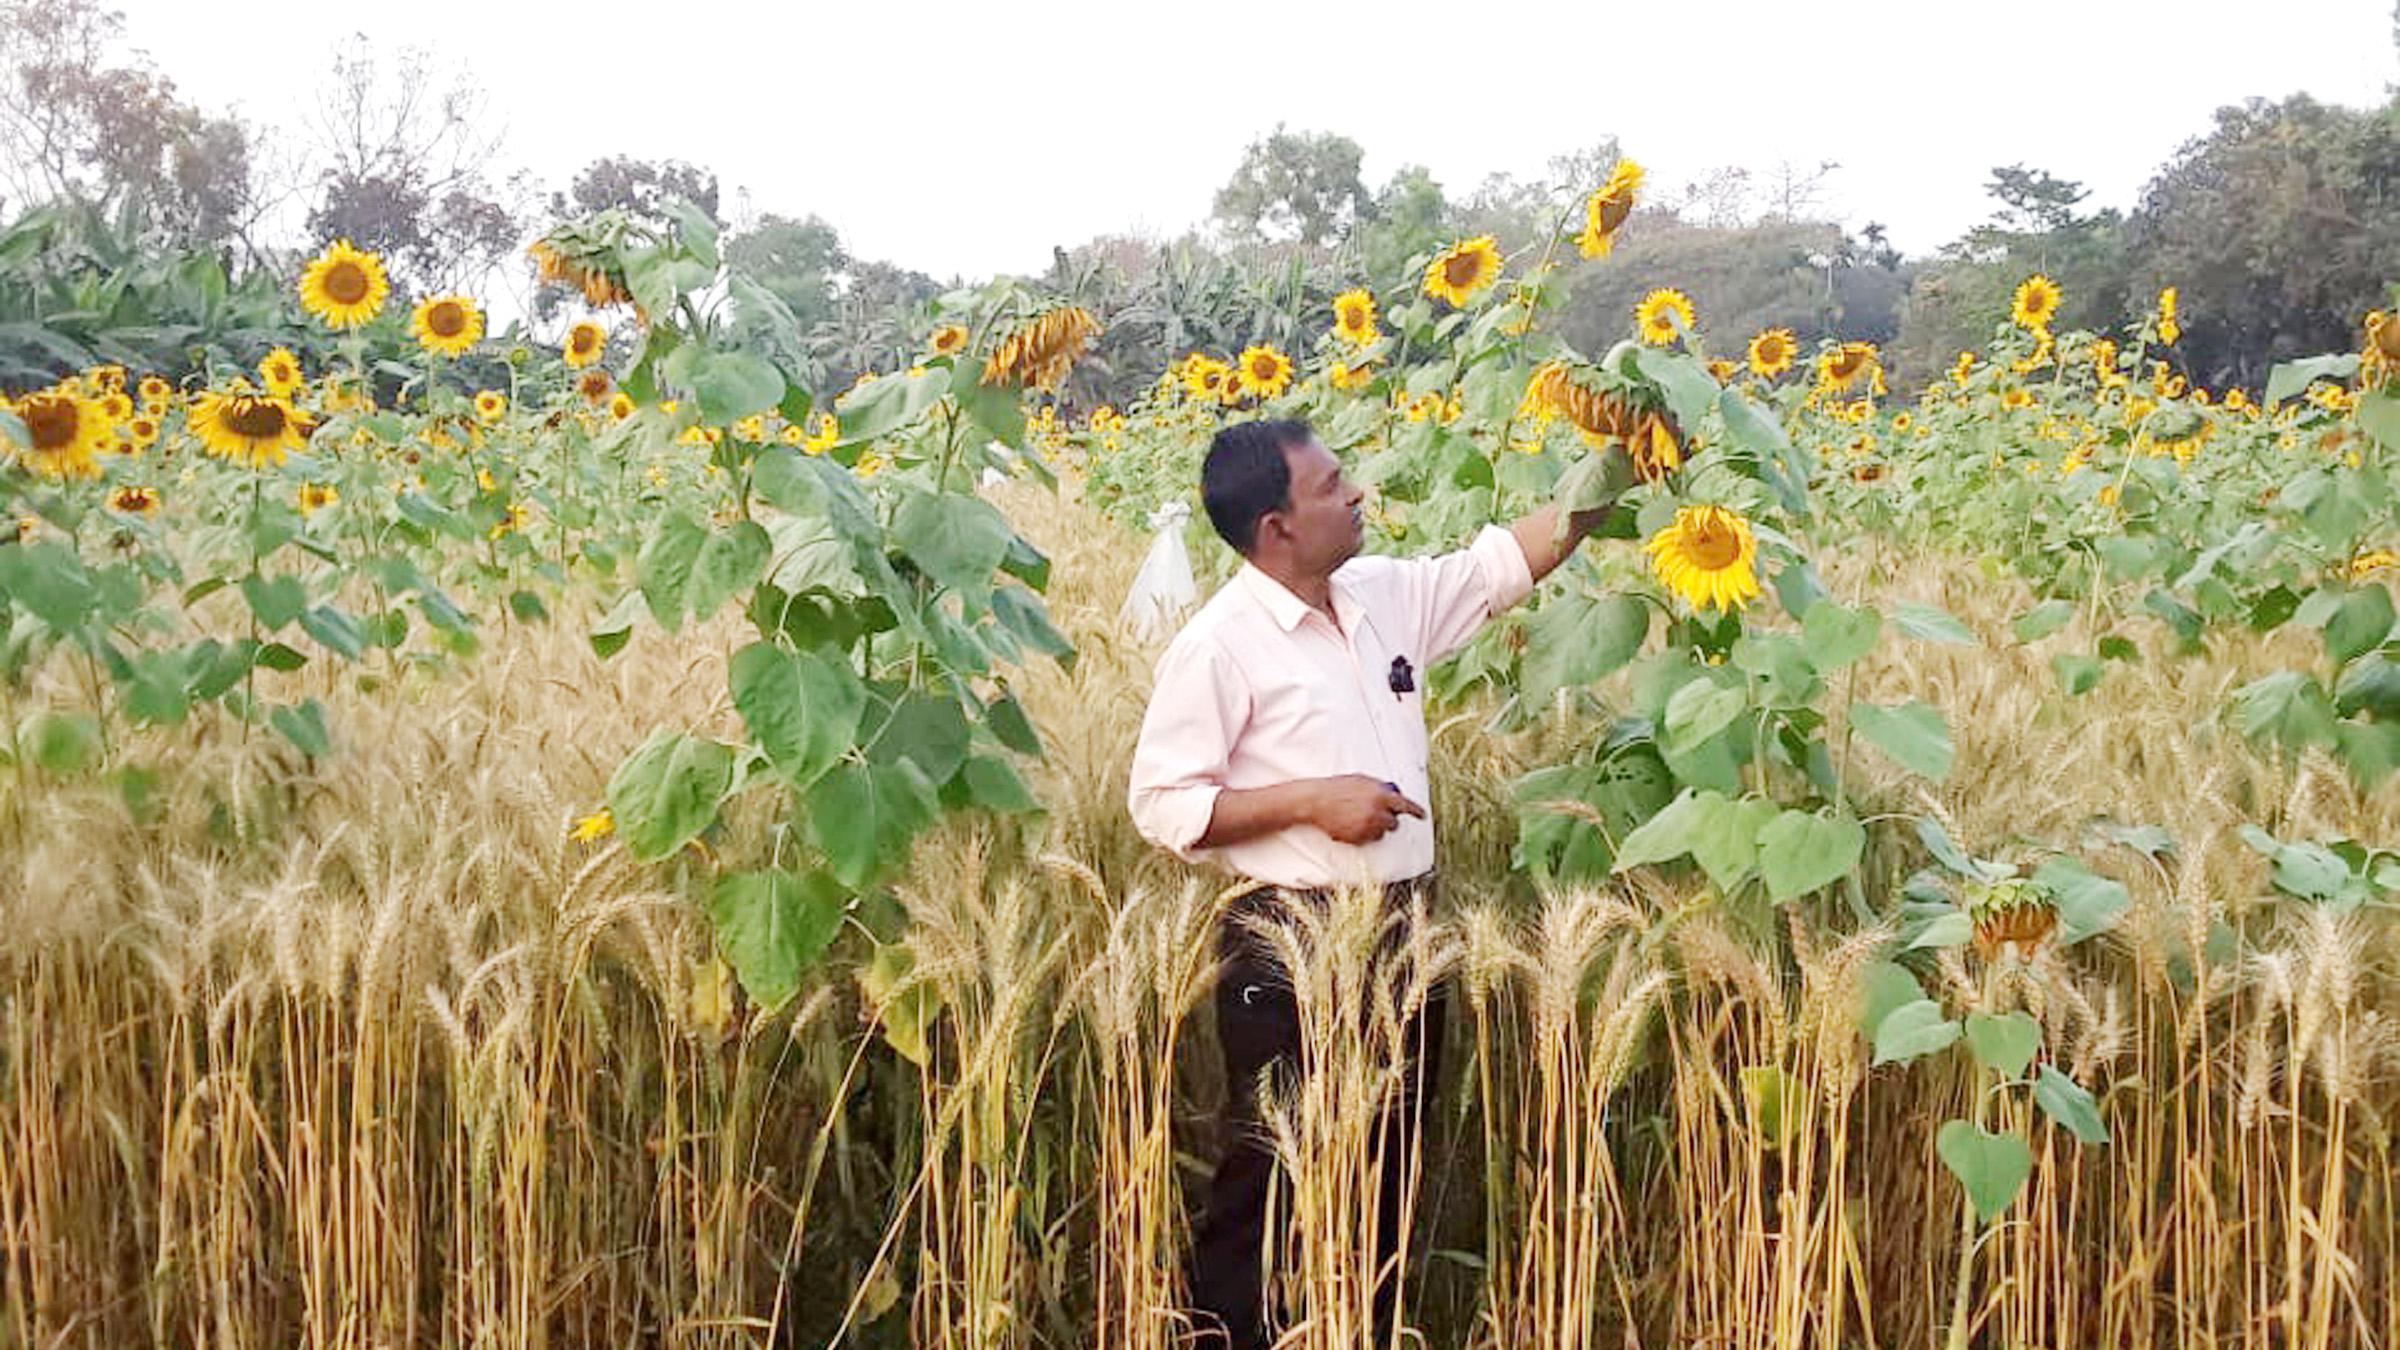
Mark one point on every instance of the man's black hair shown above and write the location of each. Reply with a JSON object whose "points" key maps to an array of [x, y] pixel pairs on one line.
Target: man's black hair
{"points": [[1245, 477]]}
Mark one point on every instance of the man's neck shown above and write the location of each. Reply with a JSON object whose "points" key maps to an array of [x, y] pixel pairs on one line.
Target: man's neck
{"points": [[1314, 589]]}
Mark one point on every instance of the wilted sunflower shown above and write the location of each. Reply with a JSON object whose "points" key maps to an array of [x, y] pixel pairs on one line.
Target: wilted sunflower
{"points": [[1263, 371], [248, 428], [1606, 209], [1464, 270], [1708, 556], [948, 340], [1663, 315], [134, 501], [586, 343], [68, 431], [1771, 352], [1844, 367], [447, 325], [280, 372], [2036, 303], [2170, 321], [315, 496], [1039, 354], [1555, 392], [1354, 317], [1205, 377], [595, 386], [491, 405], [344, 286], [584, 259], [1655, 451]]}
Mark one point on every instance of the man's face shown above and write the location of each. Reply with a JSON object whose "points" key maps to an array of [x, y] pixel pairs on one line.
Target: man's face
{"points": [[1324, 523]]}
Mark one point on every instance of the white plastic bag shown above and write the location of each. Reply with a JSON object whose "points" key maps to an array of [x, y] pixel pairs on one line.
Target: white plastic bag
{"points": [[1163, 589]]}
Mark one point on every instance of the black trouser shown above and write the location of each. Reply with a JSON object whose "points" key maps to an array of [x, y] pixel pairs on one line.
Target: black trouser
{"points": [[1258, 1030]]}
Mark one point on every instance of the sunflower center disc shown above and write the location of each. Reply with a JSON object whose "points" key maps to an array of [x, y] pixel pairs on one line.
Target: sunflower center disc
{"points": [[255, 418], [346, 282], [52, 422]]}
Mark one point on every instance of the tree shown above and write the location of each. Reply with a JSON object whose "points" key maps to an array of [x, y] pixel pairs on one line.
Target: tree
{"points": [[641, 188], [1409, 216], [1303, 186], [1960, 300], [798, 261]]}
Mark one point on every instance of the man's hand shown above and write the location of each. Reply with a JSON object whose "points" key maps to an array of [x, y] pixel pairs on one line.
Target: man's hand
{"points": [[1356, 809]]}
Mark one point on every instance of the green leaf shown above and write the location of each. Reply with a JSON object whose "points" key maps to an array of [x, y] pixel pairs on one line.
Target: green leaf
{"points": [[2288, 707], [303, 724], [1725, 838], [2064, 1101], [336, 631], [1698, 710], [667, 791], [1913, 734], [663, 569], [2077, 675], [1953, 929], [863, 817], [2088, 903], [1885, 988], [1993, 1167], [885, 405], [2360, 624], [1801, 851], [1006, 717], [802, 709], [1835, 636], [2004, 1044], [1577, 640], [729, 563], [276, 656], [2371, 686], [2042, 620], [2287, 378], [959, 541], [1912, 1031], [2379, 417], [609, 636], [48, 580], [1668, 834], [63, 744], [774, 928], [1931, 623], [732, 385], [995, 786], [927, 730], [274, 601]]}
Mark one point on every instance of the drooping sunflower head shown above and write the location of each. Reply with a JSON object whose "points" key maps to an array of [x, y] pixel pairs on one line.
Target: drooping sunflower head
{"points": [[1655, 450], [447, 325], [1264, 371], [1663, 316], [1463, 271], [280, 372], [582, 257], [1354, 316], [490, 406], [1771, 352], [1604, 212], [2015, 911], [586, 343], [344, 286], [1708, 556], [2036, 302], [1039, 353], [248, 428], [948, 340], [1556, 390], [1844, 367], [67, 432]]}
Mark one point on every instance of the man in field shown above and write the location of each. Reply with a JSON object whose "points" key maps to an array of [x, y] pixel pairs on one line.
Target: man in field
{"points": [[1285, 742]]}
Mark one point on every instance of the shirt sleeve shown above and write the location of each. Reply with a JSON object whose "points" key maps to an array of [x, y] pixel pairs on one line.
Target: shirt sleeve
{"points": [[1198, 707], [1454, 594]]}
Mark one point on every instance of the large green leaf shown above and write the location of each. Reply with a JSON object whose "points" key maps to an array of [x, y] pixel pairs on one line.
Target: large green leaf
{"points": [[887, 404], [1913, 733], [1993, 1167], [735, 384], [2005, 1043], [863, 817], [1697, 710], [927, 730], [1578, 639], [2067, 1103], [274, 601], [802, 708], [1932, 623], [774, 927], [958, 540], [2359, 624], [1668, 834], [730, 562], [2287, 378], [1912, 1031], [1800, 851], [1835, 636], [668, 791], [663, 569], [2088, 903]]}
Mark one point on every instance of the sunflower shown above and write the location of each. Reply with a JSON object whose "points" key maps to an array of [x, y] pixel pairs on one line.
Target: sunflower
{"points": [[142, 432], [155, 389], [1606, 209], [280, 373], [1264, 371], [67, 431], [2036, 303], [491, 405], [344, 286], [1205, 377], [108, 379], [247, 428], [1663, 315], [1354, 317], [828, 433], [1708, 556], [1771, 352], [1349, 378], [1723, 371], [1555, 392], [313, 496], [586, 343], [948, 340], [620, 405], [1654, 449], [2038, 357], [2378, 352], [566, 257], [2170, 323], [2016, 398], [1039, 354], [1842, 368], [597, 826], [1464, 270], [447, 325], [1870, 472], [595, 386]]}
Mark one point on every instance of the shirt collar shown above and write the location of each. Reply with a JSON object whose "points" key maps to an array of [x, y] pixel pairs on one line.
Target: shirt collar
{"points": [[1289, 610]]}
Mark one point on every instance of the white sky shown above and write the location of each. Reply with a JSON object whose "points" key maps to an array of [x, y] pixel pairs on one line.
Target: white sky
{"points": [[968, 138]]}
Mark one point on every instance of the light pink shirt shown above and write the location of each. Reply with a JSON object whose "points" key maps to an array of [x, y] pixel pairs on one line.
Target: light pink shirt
{"points": [[1260, 689]]}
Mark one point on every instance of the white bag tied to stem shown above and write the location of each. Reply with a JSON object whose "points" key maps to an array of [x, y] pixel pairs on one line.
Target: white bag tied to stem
{"points": [[1163, 589]]}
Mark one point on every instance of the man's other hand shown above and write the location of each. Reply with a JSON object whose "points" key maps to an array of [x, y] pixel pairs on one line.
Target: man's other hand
{"points": [[1356, 809]]}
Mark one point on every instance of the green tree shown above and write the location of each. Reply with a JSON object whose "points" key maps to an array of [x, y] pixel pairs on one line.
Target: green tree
{"points": [[1298, 185], [798, 261], [1959, 300]]}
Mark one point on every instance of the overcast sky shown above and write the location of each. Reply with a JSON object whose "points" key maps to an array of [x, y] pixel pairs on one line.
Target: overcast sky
{"points": [[968, 138]]}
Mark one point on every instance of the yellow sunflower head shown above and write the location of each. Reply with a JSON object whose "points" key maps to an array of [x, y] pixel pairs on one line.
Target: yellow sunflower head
{"points": [[1604, 212], [1464, 270], [1349, 378], [280, 373], [2170, 316], [344, 286], [595, 386], [1708, 556], [1354, 317], [1771, 352], [154, 389], [67, 432], [1664, 315], [1843, 367], [248, 428], [447, 325], [316, 496], [586, 343], [134, 501], [1263, 371], [2036, 302], [142, 431], [1205, 378], [490, 406], [1655, 451], [948, 340]]}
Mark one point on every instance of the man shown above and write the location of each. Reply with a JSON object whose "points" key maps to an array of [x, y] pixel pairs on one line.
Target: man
{"points": [[1285, 741]]}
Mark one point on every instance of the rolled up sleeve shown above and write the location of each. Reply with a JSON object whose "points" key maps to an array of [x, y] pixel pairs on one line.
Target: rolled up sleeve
{"points": [[1197, 709], [1455, 594]]}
